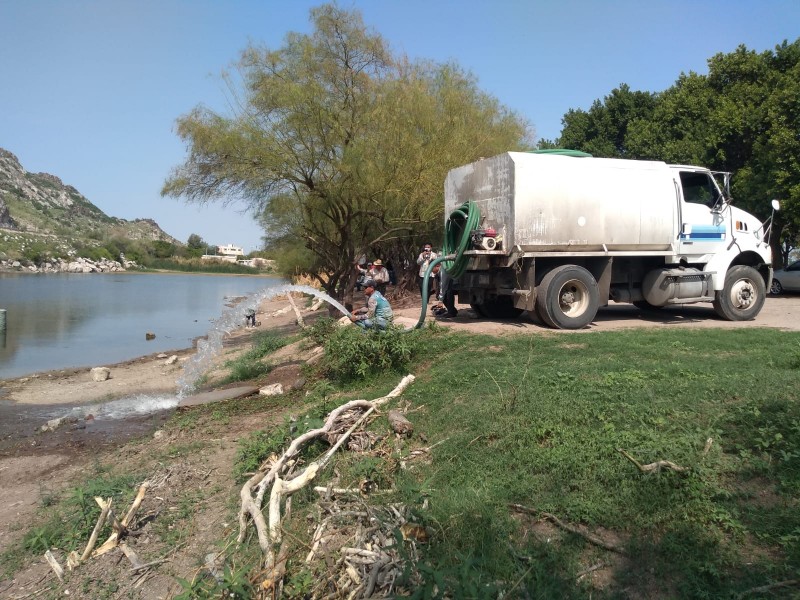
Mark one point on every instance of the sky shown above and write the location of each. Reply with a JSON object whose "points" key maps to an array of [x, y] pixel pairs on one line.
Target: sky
{"points": [[90, 89]]}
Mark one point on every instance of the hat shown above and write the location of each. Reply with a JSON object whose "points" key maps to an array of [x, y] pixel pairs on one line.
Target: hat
{"points": [[369, 283], [378, 262]]}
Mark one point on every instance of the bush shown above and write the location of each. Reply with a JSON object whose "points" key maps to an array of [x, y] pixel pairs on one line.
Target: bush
{"points": [[352, 353]]}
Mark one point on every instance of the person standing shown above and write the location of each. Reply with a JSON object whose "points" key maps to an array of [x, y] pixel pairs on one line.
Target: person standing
{"points": [[380, 275], [377, 313], [424, 260]]}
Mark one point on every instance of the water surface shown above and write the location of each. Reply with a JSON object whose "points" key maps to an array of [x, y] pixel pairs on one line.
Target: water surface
{"points": [[59, 321]]}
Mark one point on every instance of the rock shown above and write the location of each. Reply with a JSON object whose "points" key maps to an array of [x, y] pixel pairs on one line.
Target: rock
{"points": [[100, 373], [276, 389], [54, 424], [171, 360], [158, 435], [298, 383], [162, 355], [149, 336]]}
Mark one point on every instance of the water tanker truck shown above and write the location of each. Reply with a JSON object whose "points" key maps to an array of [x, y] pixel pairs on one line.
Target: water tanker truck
{"points": [[560, 234]]}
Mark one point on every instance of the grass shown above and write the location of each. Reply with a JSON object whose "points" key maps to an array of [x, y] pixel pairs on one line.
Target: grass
{"points": [[250, 365], [537, 420]]}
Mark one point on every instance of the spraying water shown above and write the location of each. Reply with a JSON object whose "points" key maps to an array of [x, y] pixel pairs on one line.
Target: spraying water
{"points": [[207, 349], [231, 319]]}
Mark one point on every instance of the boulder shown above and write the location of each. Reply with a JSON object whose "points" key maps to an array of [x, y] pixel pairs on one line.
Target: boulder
{"points": [[100, 373], [275, 389]]}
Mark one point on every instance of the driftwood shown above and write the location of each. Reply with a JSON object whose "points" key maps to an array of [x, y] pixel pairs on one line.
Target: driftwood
{"points": [[282, 486], [105, 506], [399, 423], [54, 564], [297, 314]]}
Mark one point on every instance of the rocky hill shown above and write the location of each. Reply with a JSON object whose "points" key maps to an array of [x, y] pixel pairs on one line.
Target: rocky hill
{"points": [[39, 209]]}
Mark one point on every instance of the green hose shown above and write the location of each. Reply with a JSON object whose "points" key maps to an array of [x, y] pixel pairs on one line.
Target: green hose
{"points": [[459, 227]]}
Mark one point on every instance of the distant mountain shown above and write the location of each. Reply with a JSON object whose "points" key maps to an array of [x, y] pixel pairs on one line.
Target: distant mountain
{"points": [[39, 207]]}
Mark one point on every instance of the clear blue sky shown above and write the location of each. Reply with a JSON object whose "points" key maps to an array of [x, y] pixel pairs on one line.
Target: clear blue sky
{"points": [[91, 88]]}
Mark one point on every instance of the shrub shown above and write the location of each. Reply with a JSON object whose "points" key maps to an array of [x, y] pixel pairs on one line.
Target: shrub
{"points": [[352, 353]]}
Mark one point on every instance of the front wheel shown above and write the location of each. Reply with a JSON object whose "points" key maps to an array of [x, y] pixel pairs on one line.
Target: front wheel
{"points": [[776, 287], [567, 297], [742, 296]]}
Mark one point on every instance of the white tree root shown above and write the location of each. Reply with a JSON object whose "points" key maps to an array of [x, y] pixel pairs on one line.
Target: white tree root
{"points": [[655, 467], [253, 492]]}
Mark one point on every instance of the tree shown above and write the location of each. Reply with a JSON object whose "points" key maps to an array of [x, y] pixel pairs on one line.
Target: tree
{"points": [[195, 246], [603, 130], [339, 147]]}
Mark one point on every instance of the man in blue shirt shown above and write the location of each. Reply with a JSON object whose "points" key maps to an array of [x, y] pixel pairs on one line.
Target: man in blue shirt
{"points": [[377, 313]]}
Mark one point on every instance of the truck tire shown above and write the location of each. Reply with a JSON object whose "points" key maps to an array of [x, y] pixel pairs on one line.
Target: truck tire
{"points": [[567, 298], [742, 296], [502, 307]]}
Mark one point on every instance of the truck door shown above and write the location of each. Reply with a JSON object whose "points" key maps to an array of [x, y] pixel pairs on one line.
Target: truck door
{"points": [[703, 228]]}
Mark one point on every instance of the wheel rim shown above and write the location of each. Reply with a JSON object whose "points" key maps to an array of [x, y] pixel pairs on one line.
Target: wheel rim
{"points": [[775, 288], [573, 298], [743, 294]]}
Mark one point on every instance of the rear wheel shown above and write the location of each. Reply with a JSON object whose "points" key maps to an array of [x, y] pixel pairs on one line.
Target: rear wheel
{"points": [[742, 296], [568, 297], [502, 307], [776, 287]]}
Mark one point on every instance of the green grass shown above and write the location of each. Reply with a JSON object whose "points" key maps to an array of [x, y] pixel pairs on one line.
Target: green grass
{"points": [[537, 420], [251, 365]]}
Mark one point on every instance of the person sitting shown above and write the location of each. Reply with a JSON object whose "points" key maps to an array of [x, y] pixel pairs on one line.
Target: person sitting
{"points": [[377, 313]]}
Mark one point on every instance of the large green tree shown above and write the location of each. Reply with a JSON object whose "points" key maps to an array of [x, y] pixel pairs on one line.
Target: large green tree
{"points": [[340, 147]]}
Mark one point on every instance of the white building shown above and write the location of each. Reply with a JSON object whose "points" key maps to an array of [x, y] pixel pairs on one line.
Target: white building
{"points": [[230, 250]]}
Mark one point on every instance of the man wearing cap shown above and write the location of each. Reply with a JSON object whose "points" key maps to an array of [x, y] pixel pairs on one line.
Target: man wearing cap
{"points": [[377, 313]]}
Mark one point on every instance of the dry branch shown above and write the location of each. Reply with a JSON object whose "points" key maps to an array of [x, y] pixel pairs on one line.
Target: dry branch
{"points": [[655, 467], [593, 539], [105, 506], [296, 311], [349, 416], [261, 481], [54, 564]]}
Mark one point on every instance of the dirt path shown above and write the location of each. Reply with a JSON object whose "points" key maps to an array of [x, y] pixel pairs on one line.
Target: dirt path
{"points": [[32, 466]]}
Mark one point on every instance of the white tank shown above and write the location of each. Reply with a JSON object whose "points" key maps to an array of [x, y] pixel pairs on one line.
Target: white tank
{"points": [[544, 202]]}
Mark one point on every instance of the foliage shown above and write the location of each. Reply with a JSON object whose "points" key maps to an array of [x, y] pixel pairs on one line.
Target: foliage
{"points": [[73, 516], [352, 353], [250, 365], [742, 118], [232, 584], [340, 147]]}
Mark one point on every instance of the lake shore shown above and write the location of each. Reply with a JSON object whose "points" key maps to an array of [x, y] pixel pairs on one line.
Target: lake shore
{"points": [[156, 373]]}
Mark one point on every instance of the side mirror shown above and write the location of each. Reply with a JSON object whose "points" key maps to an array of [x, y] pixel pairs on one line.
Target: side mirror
{"points": [[776, 205]]}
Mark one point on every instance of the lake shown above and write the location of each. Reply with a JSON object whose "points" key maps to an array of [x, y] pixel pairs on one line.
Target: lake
{"points": [[60, 321]]}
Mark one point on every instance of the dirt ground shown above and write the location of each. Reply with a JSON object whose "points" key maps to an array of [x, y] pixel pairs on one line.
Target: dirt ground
{"points": [[35, 464]]}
